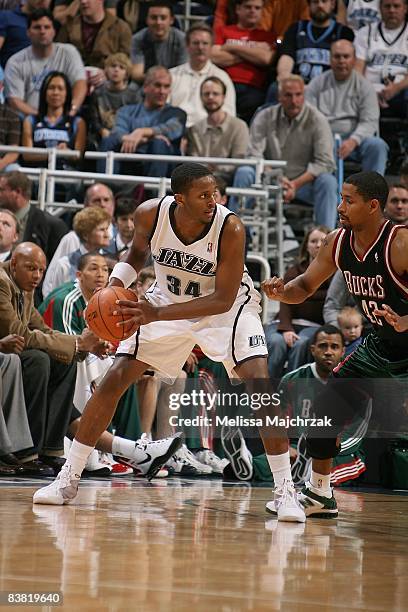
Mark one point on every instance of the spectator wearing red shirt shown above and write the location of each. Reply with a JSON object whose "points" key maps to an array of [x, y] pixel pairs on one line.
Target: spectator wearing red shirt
{"points": [[245, 52], [279, 14]]}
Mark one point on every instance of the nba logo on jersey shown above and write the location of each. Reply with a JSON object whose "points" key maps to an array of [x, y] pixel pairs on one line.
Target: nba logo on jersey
{"points": [[209, 247], [376, 257]]}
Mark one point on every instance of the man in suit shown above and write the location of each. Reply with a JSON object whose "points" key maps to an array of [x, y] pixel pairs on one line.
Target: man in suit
{"points": [[15, 436], [35, 225], [48, 357]]}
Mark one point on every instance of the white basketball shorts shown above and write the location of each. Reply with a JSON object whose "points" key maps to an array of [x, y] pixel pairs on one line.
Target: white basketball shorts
{"points": [[232, 337]]}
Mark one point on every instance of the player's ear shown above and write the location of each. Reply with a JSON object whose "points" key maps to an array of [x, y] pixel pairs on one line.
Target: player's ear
{"points": [[375, 204], [179, 198]]}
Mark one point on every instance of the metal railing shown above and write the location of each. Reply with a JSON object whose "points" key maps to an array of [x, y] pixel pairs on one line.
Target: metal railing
{"points": [[187, 15], [265, 218], [259, 163]]}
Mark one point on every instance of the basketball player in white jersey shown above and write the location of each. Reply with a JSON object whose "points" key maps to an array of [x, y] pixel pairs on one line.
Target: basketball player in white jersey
{"points": [[202, 295]]}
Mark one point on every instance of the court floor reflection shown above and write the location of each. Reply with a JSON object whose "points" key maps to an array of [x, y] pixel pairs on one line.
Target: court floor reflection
{"points": [[200, 545]]}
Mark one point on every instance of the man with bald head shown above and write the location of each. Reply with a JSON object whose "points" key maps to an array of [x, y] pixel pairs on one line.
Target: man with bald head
{"points": [[48, 357], [349, 102], [152, 126], [99, 195]]}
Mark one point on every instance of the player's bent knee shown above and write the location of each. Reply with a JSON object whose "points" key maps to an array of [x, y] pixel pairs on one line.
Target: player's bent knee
{"points": [[322, 448]]}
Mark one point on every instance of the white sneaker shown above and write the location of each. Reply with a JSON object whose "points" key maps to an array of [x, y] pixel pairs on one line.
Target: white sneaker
{"points": [[63, 490], [208, 457], [286, 504], [184, 463], [162, 473], [95, 467], [117, 469], [149, 456]]}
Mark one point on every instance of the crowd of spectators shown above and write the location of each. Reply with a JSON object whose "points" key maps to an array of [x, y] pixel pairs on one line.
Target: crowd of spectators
{"points": [[250, 78]]}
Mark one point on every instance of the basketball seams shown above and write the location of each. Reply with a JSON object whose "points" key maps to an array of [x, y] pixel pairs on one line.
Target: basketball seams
{"points": [[101, 315], [103, 304]]}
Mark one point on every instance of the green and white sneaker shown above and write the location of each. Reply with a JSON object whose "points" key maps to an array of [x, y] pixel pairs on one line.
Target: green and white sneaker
{"points": [[317, 505]]}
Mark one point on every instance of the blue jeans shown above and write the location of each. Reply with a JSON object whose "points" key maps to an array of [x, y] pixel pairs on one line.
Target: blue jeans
{"points": [[321, 193], [372, 153], [279, 352], [155, 146]]}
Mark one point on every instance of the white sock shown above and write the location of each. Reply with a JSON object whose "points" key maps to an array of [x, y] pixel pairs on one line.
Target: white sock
{"points": [[280, 467], [321, 484], [123, 447], [78, 456]]}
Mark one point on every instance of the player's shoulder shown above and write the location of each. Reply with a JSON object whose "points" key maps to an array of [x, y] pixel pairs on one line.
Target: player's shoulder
{"points": [[146, 216], [148, 208], [304, 371], [331, 240], [400, 238], [232, 224]]}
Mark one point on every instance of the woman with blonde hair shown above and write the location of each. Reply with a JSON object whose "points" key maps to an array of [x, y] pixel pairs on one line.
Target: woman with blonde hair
{"points": [[92, 226]]}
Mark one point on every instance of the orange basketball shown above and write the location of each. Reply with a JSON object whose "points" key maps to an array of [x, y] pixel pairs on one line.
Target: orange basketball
{"points": [[100, 318]]}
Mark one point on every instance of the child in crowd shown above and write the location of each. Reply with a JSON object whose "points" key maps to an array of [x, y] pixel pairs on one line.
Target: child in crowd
{"points": [[351, 325], [112, 95]]}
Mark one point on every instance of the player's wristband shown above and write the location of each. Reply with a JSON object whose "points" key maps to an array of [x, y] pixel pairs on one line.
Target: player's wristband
{"points": [[125, 273]]}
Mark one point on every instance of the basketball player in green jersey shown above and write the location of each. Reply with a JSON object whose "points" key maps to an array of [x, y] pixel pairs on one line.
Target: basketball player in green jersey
{"points": [[372, 254]]}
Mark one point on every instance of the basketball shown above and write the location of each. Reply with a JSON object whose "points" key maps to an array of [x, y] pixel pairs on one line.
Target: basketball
{"points": [[100, 318]]}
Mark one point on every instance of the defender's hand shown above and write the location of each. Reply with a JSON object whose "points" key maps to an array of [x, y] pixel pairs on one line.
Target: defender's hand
{"points": [[273, 288], [140, 313], [400, 324]]}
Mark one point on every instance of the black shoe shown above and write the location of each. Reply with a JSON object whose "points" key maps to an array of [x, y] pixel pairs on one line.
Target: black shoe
{"points": [[9, 470], [36, 469], [10, 459], [55, 463]]}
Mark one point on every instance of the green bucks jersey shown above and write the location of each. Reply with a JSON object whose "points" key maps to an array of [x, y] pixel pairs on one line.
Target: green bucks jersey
{"points": [[298, 390]]}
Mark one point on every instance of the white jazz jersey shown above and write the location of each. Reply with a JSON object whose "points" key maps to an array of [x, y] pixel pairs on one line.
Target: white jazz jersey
{"points": [[385, 53], [362, 12], [183, 273]]}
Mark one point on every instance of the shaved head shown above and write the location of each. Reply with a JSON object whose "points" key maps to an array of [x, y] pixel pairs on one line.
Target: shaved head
{"points": [[28, 249], [27, 265]]}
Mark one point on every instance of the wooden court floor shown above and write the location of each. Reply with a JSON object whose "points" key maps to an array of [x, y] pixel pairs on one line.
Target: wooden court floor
{"points": [[177, 545]]}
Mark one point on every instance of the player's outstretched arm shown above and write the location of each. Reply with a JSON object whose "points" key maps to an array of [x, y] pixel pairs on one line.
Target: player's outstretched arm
{"points": [[144, 218], [304, 285]]}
